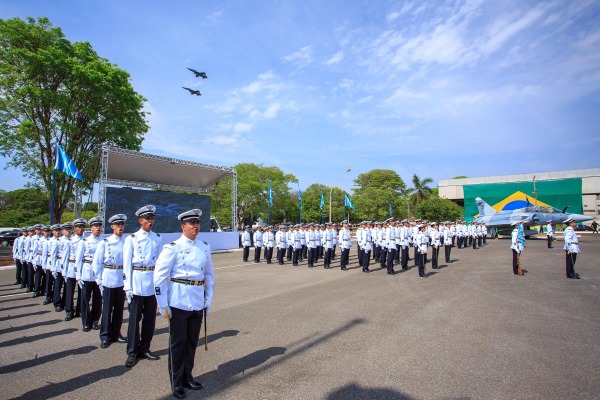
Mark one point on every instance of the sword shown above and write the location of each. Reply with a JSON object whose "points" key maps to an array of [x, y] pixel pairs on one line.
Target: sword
{"points": [[204, 315]]}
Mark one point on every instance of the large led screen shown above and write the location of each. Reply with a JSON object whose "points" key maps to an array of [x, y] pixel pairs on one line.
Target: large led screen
{"points": [[168, 206]]}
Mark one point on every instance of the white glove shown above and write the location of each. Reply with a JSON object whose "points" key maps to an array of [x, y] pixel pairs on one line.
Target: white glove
{"points": [[129, 294], [80, 283], [207, 307], [55, 275], [101, 289], [166, 312]]}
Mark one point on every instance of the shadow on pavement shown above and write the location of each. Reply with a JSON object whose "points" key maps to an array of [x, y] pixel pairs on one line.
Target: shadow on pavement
{"points": [[215, 336], [13, 317], [30, 326], [45, 359], [355, 392], [29, 339], [51, 390], [15, 307]]}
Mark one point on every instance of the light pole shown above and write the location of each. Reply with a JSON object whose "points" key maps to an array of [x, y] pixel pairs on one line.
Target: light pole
{"points": [[331, 191]]}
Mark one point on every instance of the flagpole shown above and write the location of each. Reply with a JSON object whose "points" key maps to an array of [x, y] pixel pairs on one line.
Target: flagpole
{"points": [[269, 202], [52, 197]]}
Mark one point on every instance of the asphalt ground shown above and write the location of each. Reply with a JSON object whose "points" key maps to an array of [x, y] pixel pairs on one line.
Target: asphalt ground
{"points": [[471, 330]]}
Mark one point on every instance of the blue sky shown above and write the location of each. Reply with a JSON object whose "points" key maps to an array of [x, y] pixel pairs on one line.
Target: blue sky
{"points": [[436, 88]]}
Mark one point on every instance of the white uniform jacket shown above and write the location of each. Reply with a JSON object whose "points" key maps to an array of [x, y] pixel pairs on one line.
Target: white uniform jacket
{"points": [[188, 260], [140, 252], [571, 241], [84, 257], [108, 262]]}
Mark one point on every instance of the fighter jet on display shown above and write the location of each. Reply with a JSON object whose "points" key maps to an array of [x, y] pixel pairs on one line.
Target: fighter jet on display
{"points": [[192, 92], [199, 74], [530, 215]]}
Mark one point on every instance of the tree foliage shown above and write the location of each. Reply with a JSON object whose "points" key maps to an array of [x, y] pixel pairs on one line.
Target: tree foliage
{"points": [[439, 209], [54, 91], [252, 194], [420, 190], [24, 207], [373, 192]]}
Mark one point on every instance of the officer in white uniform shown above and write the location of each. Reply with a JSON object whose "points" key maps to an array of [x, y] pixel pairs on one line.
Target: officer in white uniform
{"points": [[435, 245], [34, 253], [183, 299], [70, 270], [40, 271], [51, 258], [448, 239], [550, 234], [516, 247], [17, 257], [571, 248], [246, 242], [327, 239], [60, 282], [366, 246], [140, 252], [345, 239], [269, 242], [281, 238], [90, 291], [421, 242], [310, 246], [108, 270], [258, 243]]}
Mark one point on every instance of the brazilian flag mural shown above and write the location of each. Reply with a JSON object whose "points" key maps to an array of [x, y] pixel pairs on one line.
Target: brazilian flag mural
{"points": [[514, 195]]}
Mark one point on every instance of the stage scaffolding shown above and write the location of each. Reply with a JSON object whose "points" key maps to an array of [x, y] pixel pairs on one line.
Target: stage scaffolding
{"points": [[120, 167]]}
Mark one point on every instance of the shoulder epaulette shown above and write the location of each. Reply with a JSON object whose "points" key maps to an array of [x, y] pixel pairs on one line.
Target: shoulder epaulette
{"points": [[205, 243], [158, 234], [172, 243], [133, 235], [106, 240]]}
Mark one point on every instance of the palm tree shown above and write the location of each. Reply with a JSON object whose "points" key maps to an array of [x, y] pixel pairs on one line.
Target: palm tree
{"points": [[420, 191]]}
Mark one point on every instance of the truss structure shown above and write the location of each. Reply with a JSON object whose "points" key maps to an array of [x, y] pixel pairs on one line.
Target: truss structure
{"points": [[121, 167]]}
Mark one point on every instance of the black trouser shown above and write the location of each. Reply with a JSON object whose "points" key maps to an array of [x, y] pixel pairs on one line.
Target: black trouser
{"points": [[113, 302], [415, 253], [484, 239], [141, 306], [515, 262], [376, 252], [257, 250], [19, 267], [359, 254], [434, 257], [37, 284], [304, 251], [391, 253], [59, 285], [383, 257], [404, 257], [344, 258], [333, 251], [49, 285], [31, 279], [397, 253], [311, 257], [71, 284], [479, 241], [246, 253], [447, 249], [474, 240], [321, 252], [289, 253], [571, 259], [24, 273], [90, 291], [550, 242], [296, 255], [366, 259], [419, 258], [268, 254], [280, 253], [327, 258], [184, 330]]}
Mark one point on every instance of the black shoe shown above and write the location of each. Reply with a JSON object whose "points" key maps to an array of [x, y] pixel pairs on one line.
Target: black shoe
{"points": [[58, 309], [391, 273], [77, 315], [27, 290], [194, 385], [68, 317], [121, 339], [22, 286], [17, 283], [131, 360], [179, 393], [148, 356], [95, 326], [104, 345], [35, 294], [87, 328], [47, 301]]}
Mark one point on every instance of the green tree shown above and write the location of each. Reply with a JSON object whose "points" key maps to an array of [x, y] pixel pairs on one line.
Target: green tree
{"points": [[25, 207], [52, 92], [420, 190], [373, 192], [439, 209], [252, 195]]}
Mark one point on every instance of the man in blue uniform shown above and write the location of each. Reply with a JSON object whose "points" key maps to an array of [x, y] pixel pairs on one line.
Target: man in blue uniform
{"points": [[184, 285]]}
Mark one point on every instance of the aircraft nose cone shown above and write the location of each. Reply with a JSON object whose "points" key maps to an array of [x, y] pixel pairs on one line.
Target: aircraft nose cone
{"points": [[580, 218]]}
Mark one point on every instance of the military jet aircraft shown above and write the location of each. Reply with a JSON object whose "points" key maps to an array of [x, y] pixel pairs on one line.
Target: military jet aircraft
{"points": [[530, 215], [192, 92], [199, 74]]}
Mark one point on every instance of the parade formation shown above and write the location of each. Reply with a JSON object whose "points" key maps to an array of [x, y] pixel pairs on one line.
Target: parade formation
{"points": [[92, 278]]}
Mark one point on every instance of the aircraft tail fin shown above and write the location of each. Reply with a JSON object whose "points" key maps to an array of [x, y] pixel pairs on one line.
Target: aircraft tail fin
{"points": [[483, 207]]}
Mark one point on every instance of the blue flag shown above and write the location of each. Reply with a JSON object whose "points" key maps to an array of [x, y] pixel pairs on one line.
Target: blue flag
{"points": [[322, 204], [347, 202], [300, 198], [64, 164], [270, 194]]}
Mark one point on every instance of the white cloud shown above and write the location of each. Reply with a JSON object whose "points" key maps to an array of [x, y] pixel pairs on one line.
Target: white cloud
{"points": [[301, 57], [336, 58]]}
